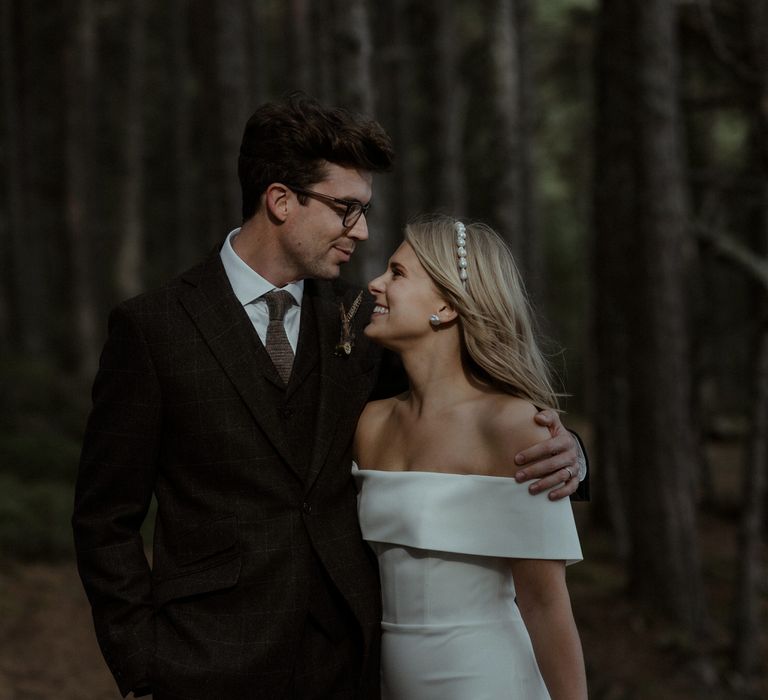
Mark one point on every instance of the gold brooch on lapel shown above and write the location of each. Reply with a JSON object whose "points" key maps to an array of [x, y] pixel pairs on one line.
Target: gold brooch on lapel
{"points": [[347, 337]]}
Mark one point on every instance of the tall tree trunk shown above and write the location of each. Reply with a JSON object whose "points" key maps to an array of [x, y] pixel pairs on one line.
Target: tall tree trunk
{"points": [[354, 48], [301, 45], [665, 566], [81, 78], [26, 282], [233, 85], [613, 207], [12, 317], [258, 54], [324, 76], [750, 620], [448, 108], [185, 249], [390, 194], [130, 260], [508, 124]]}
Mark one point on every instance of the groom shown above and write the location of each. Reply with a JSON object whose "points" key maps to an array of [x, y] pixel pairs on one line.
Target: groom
{"points": [[232, 394]]}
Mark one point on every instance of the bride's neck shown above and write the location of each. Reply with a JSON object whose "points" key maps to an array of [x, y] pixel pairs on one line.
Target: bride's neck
{"points": [[437, 379]]}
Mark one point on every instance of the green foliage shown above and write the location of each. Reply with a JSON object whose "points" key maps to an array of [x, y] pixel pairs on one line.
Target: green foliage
{"points": [[42, 413], [40, 454], [34, 519]]}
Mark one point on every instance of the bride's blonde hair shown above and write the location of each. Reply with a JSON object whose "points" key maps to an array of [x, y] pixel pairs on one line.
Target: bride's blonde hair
{"points": [[498, 335]]}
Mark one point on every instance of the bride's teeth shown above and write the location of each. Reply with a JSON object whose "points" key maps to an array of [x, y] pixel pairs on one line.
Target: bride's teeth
{"points": [[380, 309]]}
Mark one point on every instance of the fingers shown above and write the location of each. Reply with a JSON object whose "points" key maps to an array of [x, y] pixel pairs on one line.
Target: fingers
{"points": [[550, 469], [549, 419], [564, 491], [561, 483], [545, 417], [544, 452]]}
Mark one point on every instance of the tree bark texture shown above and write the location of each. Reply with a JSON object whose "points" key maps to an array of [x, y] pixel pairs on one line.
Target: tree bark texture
{"points": [[665, 564], [301, 45], [26, 282], [233, 107], [353, 49], [184, 240], [508, 124], [81, 79], [448, 98], [509, 30], [131, 255], [750, 619], [641, 320], [613, 215], [11, 320]]}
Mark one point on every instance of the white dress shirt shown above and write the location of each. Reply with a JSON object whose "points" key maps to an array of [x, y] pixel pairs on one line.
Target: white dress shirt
{"points": [[249, 286]]}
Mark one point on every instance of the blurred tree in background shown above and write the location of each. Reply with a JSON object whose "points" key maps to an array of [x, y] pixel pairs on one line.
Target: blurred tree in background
{"points": [[619, 146]]}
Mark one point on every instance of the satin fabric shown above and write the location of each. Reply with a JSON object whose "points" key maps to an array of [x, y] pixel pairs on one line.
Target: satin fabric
{"points": [[451, 629]]}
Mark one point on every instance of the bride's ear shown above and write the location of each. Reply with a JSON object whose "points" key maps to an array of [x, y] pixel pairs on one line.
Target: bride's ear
{"points": [[447, 313]]}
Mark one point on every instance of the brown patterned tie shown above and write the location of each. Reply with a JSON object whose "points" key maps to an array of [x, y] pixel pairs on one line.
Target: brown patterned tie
{"points": [[278, 347]]}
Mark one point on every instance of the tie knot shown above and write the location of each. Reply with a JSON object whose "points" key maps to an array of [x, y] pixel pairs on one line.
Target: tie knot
{"points": [[278, 302]]}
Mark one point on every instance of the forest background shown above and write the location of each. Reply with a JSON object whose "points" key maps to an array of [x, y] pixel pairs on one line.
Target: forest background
{"points": [[620, 146]]}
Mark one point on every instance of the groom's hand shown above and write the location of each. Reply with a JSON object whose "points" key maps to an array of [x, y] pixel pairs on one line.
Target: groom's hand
{"points": [[552, 462]]}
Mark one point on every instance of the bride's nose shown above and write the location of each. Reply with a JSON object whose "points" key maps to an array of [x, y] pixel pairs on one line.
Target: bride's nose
{"points": [[376, 285]]}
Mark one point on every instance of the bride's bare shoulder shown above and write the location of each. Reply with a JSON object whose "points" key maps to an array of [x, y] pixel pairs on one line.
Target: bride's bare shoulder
{"points": [[372, 429], [374, 415], [510, 428], [378, 410]]}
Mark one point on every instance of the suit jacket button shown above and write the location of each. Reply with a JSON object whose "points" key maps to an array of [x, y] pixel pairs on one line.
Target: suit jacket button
{"points": [[306, 507]]}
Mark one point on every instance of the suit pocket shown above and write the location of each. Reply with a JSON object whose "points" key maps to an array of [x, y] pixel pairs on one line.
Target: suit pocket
{"points": [[205, 558], [206, 543]]}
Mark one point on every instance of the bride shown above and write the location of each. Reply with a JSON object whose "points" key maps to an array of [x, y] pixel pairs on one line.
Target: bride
{"points": [[472, 566]]}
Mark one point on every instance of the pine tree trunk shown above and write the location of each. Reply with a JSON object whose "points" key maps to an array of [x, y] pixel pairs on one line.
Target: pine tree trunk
{"points": [[508, 124], [12, 333], [665, 566], [184, 249], [81, 78], [353, 49], [130, 261], [301, 45], [391, 195], [233, 85], [448, 111], [613, 215], [750, 619]]}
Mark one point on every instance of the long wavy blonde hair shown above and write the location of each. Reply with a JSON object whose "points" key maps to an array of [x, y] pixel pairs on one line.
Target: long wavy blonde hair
{"points": [[497, 329]]}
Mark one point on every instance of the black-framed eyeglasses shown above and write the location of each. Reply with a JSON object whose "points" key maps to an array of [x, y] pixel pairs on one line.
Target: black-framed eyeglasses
{"points": [[353, 209]]}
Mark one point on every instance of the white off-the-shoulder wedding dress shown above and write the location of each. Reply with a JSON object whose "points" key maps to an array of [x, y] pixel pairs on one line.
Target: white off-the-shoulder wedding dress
{"points": [[450, 627]]}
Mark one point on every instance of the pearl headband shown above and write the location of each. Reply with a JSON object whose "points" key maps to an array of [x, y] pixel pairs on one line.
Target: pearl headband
{"points": [[461, 250]]}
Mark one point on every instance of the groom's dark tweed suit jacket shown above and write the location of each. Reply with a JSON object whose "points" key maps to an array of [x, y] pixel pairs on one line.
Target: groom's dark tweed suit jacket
{"points": [[256, 523]]}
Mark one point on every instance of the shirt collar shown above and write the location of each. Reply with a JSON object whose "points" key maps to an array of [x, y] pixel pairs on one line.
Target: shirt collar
{"points": [[247, 284]]}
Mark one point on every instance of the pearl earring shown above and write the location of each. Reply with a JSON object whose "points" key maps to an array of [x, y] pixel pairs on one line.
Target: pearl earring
{"points": [[434, 320]]}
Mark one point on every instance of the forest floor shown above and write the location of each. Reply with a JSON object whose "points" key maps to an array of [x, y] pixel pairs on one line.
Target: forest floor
{"points": [[48, 649]]}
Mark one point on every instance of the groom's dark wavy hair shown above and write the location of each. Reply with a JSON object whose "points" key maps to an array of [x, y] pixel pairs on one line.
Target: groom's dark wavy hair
{"points": [[289, 141]]}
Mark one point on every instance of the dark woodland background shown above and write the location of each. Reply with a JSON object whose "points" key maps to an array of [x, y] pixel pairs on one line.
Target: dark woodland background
{"points": [[621, 147]]}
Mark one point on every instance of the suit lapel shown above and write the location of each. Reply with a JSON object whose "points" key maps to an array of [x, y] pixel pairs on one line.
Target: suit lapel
{"points": [[228, 332], [334, 397]]}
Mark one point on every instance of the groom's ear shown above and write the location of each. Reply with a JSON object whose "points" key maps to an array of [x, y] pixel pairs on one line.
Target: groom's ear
{"points": [[276, 201]]}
